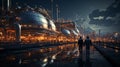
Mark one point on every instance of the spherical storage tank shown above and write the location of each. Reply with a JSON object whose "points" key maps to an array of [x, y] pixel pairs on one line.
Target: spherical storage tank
{"points": [[74, 32], [52, 25], [33, 18], [65, 32]]}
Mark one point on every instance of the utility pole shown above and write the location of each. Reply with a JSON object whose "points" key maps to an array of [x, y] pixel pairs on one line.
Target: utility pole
{"points": [[57, 12], [99, 36]]}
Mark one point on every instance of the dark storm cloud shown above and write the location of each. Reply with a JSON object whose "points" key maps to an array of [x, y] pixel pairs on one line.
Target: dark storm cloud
{"points": [[108, 17]]}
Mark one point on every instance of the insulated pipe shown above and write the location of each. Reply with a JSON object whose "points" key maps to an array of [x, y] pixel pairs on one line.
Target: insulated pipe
{"points": [[18, 32]]}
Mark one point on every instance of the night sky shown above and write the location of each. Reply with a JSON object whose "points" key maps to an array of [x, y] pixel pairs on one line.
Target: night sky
{"points": [[92, 14]]}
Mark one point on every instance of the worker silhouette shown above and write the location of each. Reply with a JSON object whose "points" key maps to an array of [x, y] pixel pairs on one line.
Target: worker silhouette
{"points": [[88, 43], [80, 44]]}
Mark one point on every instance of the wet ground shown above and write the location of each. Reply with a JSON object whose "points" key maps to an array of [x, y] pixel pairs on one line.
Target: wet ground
{"points": [[54, 56], [39, 57]]}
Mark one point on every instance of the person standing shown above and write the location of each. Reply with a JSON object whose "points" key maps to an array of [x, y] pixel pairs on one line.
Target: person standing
{"points": [[80, 44], [88, 43]]}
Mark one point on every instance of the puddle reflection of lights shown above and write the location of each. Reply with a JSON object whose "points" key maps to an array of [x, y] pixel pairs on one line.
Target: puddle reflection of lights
{"points": [[43, 65], [105, 46], [45, 60], [116, 47], [29, 54], [54, 57], [20, 61], [52, 61], [116, 50]]}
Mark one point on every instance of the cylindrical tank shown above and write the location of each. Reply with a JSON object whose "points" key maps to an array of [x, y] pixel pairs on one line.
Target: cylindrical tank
{"points": [[18, 31]]}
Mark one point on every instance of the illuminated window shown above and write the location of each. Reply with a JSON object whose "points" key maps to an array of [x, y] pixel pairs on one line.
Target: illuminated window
{"points": [[1, 33], [30, 26], [25, 26]]}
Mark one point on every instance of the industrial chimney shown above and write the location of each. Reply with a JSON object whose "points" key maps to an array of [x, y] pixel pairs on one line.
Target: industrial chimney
{"points": [[2, 5], [8, 5]]}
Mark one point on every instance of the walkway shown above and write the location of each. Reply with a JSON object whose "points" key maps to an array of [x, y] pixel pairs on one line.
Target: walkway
{"points": [[96, 60]]}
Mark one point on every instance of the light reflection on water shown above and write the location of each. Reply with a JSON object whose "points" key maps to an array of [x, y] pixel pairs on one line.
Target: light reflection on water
{"points": [[116, 50], [20, 61], [105, 46], [42, 56]]}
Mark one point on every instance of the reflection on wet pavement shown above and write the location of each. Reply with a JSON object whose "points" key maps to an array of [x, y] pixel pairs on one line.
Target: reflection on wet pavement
{"points": [[40, 57]]}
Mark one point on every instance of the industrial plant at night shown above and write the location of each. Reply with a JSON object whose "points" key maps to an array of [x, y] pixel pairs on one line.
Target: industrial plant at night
{"points": [[31, 25], [59, 33]]}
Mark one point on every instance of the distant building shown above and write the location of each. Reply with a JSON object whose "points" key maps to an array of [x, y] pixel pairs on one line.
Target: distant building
{"points": [[31, 25]]}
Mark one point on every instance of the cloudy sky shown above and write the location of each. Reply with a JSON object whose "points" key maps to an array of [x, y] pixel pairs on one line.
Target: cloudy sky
{"points": [[107, 20], [95, 14]]}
